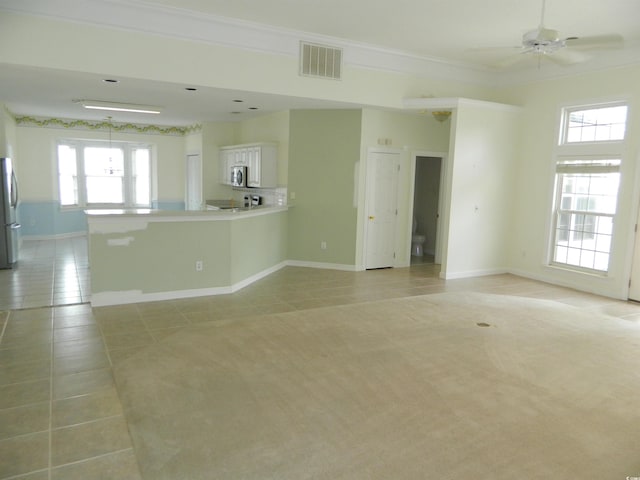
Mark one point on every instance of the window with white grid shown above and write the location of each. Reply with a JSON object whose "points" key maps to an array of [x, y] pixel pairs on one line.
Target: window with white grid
{"points": [[587, 180], [586, 200], [99, 174]]}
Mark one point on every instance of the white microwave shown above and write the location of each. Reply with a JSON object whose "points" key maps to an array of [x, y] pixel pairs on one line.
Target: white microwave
{"points": [[238, 176]]}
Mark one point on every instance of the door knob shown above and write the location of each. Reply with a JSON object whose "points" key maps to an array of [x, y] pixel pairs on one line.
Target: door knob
{"points": [[371, 217]]}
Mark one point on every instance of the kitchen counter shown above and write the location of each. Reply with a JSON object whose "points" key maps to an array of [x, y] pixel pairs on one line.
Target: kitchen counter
{"points": [[139, 255], [180, 215]]}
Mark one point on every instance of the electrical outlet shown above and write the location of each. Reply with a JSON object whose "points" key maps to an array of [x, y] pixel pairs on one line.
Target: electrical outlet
{"points": [[323, 245], [199, 266]]}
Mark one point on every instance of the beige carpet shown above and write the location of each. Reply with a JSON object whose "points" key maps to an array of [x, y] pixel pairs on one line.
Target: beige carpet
{"points": [[447, 386]]}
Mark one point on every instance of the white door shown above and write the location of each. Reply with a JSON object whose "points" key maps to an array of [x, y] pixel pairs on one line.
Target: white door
{"points": [[194, 182], [381, 209]]}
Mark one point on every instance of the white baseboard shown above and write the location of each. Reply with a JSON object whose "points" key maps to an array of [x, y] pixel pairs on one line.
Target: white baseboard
{"points": [[327, 266], [258, 276], [61, 236], [104, 299], [473, 273]]}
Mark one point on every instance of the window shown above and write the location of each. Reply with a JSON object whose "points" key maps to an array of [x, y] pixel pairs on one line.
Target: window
{"points": [[587, 179], [598, 124], [100, 174], [587, 193]]}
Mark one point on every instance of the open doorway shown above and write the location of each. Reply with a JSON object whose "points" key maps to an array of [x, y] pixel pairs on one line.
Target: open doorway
{"points": [[425, 238]]}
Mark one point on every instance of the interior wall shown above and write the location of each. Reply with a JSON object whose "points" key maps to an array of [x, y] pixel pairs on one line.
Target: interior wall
{"points": [[529, 239], [481, 169], [214, 136], [162, 58], [404, 132], [39, 210], [8, 137], [270, 128], [324, 148], [425, 199]]}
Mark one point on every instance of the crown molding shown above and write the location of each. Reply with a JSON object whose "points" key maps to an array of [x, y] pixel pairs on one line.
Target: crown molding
{"points": [[451, 103], [172, 22]]}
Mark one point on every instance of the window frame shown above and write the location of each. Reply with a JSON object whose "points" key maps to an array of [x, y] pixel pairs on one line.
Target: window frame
{"points": [[588, 166], [565, 115], [129, 192], [585, 150]]}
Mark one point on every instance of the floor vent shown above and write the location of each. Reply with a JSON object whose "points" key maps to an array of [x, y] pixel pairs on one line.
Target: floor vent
{"points": [[320, 61]]}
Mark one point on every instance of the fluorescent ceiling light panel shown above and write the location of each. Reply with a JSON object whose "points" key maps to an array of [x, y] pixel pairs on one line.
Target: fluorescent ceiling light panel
{"points": [[119, 107]]}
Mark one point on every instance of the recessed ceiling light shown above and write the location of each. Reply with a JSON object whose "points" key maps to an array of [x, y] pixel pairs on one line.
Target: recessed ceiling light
{"points": [[236, 113], [238, 101], [111, 80], [118, 107], [253, 108], [190, 89]]}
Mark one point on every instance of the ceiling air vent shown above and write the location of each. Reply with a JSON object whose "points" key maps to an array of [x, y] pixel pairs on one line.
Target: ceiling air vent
{"points": [[320, 61]]}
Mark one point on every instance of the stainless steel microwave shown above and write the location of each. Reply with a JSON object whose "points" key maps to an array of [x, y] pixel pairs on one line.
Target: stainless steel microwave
{"points": [[238, 176]]}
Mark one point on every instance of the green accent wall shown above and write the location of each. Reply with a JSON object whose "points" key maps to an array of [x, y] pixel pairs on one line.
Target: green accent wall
{"points": [[324, 147], [160, 256]]}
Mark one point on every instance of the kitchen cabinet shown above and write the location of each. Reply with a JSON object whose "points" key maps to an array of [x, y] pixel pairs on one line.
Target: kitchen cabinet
{"points": [[259, 158], [225, 164]]}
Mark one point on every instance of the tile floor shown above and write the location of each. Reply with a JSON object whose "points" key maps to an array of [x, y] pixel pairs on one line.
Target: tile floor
{"points": [[60, 415], [49, 272]]}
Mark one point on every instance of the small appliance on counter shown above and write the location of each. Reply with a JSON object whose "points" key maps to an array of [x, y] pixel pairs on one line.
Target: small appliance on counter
{"points": [[252, 200]]}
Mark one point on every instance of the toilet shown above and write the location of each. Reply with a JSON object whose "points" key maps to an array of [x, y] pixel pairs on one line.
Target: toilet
{"points": [[417, 240]]}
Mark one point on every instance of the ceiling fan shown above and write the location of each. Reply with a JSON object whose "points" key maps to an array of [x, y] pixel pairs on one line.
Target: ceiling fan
{"points": [[547, 43]]}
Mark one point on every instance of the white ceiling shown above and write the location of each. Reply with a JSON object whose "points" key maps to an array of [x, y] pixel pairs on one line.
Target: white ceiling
{"points": [[446, 30]]}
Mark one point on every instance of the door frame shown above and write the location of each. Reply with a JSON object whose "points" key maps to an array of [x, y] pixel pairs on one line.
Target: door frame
{"points": [[442, 196], [633, 252]]}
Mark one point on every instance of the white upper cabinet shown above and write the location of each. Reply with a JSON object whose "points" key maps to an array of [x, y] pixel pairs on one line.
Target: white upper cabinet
{"points": [[225, 164], [259, 158]]}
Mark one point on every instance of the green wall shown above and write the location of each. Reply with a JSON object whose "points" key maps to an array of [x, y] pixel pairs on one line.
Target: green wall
{"points": [[134, 258], [324, 147]]}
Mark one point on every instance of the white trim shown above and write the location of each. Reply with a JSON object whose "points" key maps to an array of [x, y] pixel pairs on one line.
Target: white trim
{"points": [[180, 23], [473, 273], [258, 276], [450, 103], [103, 299], [553, 280], [59, 236], [327, 266], [443, 194]]}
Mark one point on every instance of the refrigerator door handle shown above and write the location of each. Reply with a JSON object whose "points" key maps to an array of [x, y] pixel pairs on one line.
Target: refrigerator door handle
{"points": [[15, 226], [14, 190]]}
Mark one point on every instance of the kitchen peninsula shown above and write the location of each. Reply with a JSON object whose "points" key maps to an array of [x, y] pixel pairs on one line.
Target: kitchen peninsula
{"points": [[146, 255]]}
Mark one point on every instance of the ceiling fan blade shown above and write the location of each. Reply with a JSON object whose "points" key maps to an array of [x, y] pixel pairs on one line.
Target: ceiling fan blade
{"points": [[596, 41], [567, 56], [511, 59]]}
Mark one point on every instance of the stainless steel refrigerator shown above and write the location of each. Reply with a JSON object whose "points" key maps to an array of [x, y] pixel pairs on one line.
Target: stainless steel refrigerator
{"points": [[8, 222]]}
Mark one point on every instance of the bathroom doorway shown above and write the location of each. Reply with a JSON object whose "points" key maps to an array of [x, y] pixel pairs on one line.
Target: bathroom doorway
{"points": [[426, 210]]}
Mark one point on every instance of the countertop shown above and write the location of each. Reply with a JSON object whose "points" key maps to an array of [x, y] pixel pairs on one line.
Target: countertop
{"points": [[149, 214]]}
